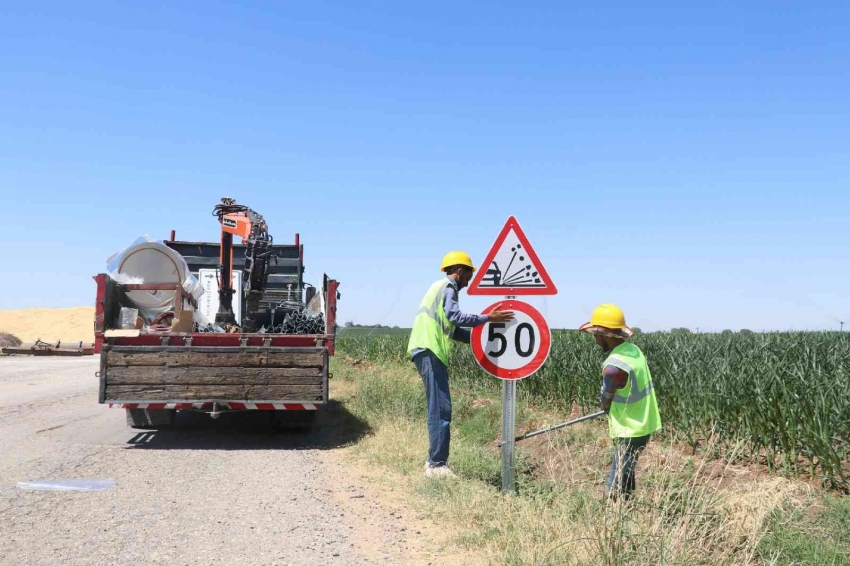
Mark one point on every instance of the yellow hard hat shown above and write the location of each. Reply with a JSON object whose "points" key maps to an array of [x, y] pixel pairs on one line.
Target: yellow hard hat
{"points": [[456, 258], [607, 317]]}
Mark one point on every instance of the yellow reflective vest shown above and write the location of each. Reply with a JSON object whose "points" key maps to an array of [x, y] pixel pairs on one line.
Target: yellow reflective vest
{"points": [[634, 409], [431, 328]]}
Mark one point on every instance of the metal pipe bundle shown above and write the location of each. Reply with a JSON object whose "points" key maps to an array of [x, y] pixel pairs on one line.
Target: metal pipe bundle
{"points": [[299, 322]]}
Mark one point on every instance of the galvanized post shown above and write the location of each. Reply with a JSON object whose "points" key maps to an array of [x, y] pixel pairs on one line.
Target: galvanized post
{"points": [[508, 428]]}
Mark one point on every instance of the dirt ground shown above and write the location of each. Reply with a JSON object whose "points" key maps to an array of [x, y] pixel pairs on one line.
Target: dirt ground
{"points": [[50, 325], [226, 491]]}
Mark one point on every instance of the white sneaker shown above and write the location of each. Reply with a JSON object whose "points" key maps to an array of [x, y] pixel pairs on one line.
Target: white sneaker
{"points": [[439, 472]]}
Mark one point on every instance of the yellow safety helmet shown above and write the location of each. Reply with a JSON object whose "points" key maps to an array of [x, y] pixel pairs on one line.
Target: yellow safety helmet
{"points": [[607, 317], [456, 258]]}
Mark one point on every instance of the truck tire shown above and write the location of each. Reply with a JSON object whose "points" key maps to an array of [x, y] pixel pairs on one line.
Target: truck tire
{"points": [[150, 418], [292, 421]]}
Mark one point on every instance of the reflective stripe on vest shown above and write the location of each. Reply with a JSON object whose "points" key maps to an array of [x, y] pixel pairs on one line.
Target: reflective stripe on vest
{"points": [[433, 311], [634, 394]]}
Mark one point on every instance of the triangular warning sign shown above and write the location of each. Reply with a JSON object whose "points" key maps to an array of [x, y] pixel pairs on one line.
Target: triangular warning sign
{"points": [[512, 267]]}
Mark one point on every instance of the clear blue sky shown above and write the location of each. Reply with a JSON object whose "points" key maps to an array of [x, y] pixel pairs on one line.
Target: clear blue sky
{"points": [[687, 161]]}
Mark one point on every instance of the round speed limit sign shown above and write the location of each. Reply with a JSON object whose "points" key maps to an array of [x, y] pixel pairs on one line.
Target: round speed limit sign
{"points": [[514, 349]]}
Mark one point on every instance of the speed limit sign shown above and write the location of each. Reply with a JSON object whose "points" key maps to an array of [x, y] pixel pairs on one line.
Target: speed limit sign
{"points": [[515, 349]]}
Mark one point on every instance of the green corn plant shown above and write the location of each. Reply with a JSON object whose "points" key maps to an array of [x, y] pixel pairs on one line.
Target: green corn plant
{"points": [[783, 394]]}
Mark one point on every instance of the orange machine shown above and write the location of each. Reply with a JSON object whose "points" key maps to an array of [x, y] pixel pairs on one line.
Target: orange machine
{"points": [[239, 220]]}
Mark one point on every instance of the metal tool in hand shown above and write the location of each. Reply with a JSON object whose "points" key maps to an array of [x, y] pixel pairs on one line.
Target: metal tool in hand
{"points": [[562, 425]]}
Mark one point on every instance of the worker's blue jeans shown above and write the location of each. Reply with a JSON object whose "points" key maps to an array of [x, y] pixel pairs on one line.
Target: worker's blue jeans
{"points": [[621, 480], [435, 377]]}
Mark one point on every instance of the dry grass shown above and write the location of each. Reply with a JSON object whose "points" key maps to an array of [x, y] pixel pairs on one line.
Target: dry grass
{"points": [[688, 509], [673, 520]]}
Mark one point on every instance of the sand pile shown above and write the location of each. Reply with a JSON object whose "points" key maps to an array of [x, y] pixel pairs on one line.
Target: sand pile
{"points": [[50, 325]]}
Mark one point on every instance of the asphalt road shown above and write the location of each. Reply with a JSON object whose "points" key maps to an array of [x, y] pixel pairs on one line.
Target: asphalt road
{"points": [[226, 491]]}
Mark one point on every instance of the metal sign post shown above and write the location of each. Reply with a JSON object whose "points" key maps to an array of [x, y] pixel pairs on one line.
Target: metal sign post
{"points": [[514, 350], [511, 351], [508, 428]]}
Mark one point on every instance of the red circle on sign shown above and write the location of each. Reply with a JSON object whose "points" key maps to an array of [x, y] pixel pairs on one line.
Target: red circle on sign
{"points": [[535, 361]]}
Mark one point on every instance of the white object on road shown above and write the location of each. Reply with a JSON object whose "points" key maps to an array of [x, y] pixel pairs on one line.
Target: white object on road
{"points": [[67, 485]]}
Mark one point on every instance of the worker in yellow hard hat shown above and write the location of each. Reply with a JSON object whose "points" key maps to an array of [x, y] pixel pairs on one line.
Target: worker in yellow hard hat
{"points": [[627, 395], [438, 322]]}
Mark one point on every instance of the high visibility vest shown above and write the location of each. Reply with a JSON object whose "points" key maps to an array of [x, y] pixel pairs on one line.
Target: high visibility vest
{"points": [[634, 409], [431, 328]]}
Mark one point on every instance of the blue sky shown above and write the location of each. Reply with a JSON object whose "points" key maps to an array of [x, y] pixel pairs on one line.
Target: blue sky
{"points": [[687, 162]]}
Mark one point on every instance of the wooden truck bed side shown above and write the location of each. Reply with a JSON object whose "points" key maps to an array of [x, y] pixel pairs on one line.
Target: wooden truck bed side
{"points": [[196, 374]]}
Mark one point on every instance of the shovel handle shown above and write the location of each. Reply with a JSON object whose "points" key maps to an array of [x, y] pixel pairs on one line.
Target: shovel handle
{"points": [[562, 425]]}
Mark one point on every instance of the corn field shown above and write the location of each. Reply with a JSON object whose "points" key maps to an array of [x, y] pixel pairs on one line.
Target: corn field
{"points": [[784, 397]]}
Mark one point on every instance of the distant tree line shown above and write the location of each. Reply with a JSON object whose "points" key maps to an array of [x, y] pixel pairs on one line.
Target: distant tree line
{"points": [[351, 324], [637, 330]]}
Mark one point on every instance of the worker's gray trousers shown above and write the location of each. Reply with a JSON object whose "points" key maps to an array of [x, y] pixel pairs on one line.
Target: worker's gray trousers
{"points": [[621, 480], [435, 377]]}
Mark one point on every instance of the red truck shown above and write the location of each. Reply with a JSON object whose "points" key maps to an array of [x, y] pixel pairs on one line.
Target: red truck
{"points": [[252, 364]]}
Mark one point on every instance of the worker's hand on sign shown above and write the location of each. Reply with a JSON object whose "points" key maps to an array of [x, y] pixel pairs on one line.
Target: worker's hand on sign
{"points": [[500, 316]]}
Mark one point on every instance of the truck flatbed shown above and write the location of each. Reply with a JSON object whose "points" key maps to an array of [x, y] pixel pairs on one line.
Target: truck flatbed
{"points": [[154, 374]]}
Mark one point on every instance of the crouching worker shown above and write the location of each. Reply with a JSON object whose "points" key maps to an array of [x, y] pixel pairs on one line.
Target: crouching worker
{"points": [[436, 325], [627, 396]]}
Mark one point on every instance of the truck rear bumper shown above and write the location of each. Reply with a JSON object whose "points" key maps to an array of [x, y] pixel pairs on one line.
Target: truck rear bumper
{"points": [[222, 405]]}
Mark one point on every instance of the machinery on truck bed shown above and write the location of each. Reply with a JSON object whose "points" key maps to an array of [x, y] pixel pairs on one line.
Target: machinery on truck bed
{"points": [[267, 347]]}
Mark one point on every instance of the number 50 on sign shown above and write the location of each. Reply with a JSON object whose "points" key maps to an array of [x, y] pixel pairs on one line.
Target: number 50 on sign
{"points": [[515, 349]]}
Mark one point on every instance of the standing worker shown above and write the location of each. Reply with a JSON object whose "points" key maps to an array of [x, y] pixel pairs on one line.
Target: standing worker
{"points": [[627, 395], [437, 323]]}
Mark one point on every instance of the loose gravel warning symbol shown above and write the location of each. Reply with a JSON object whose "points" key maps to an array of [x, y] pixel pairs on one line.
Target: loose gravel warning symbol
{"points": [[512, 267], [521, 276]]}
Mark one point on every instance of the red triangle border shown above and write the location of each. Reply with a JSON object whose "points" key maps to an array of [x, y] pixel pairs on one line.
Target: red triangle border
{"points": [[475, 286]]}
